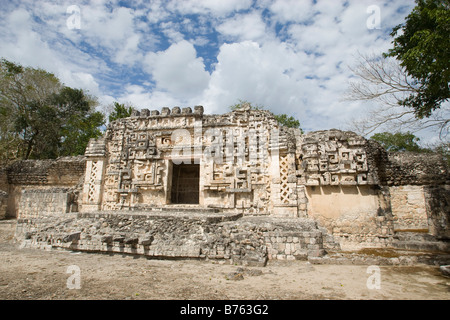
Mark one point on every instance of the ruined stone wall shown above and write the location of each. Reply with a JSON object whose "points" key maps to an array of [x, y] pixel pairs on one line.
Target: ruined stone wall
{"points": [[48, 201], [248, 241], [381, 192], [334, 157], [409, 207], [4, 189], [353, 215], [339, 171], [43, 186], [418, 186], [65, 171], [437, 202], [4, 185], [3, 204], [409, 168]]}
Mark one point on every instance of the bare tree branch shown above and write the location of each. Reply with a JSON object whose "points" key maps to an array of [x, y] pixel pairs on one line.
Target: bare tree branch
{"points": [[383, 80]]}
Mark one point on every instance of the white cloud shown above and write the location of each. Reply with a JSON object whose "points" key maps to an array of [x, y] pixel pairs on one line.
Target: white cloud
{"points": [[107, 27], [178, 70], [306, 75], [213, 7], [21, 43], [129, 53], [255, 73], [292, 10], [141, 98], [157, 12], [170, 30], [117, 33], [26, 46], [80, 80], [244, 27], [302, 72]]}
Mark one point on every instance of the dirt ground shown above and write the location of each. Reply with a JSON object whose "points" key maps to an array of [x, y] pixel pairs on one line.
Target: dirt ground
{"points": [[31, 274]]}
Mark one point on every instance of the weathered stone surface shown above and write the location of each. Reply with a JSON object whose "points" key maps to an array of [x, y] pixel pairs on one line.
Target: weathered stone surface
{"points": [[3, 204], [106, 239], [409, 168], [119, 238], [247, 241], [72, 237], [235, 276], [65, 171], [146, 241], [445, 270], [437, 203], [131, 240]]}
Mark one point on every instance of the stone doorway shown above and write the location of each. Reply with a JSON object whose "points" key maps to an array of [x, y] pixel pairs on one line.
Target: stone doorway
{"points": [[185, 184]]}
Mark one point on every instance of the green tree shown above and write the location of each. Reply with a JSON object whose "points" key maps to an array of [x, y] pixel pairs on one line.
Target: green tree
{"points": [[244, 104], [422, 45], [79, 122], [288, 121], [25, 114], [41, 118], [120, 111], [398, 141]]}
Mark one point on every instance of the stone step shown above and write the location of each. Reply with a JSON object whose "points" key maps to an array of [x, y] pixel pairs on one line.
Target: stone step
{"points": [[422, 246], [174, 213], [177, 208], [421, 241], [413, 236]]}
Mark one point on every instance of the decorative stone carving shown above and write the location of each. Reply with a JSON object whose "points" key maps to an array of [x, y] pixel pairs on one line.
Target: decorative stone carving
{"points": [[332, 158]]}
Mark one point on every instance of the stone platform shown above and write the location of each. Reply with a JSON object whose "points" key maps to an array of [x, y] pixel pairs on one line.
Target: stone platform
{"points": [[176, 232], [177, 212]]}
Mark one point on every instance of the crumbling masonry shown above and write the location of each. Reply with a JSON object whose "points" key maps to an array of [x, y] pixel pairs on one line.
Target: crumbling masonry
{"points": [[237, 186]]}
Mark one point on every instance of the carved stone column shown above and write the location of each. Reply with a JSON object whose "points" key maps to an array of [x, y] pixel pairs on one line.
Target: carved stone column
{"points": [[91, 199]]}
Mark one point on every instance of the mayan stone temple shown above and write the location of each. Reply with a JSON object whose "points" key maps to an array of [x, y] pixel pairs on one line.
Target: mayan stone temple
{"points": [[178, 183]]}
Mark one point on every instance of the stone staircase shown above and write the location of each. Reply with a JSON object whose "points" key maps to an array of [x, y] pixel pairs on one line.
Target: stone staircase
{"points": [[420, 241], [195, 208]]}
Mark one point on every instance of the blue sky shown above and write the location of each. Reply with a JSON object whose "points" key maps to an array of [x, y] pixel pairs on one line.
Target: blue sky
{"points": [[291, 56]]}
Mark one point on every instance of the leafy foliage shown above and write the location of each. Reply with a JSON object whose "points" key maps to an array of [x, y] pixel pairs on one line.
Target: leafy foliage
{"points": [[288, 121], [398, 141], [120, 111], [78, 121], [41, 118], [422, 45]]}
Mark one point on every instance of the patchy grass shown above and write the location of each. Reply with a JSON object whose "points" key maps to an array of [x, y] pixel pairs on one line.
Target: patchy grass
{"points": [[412, 230], [380, 252]]}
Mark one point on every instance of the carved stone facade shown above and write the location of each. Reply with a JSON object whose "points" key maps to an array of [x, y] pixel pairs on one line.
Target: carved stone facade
{"points": [[243, 161], [243, 164], [145, 161]]}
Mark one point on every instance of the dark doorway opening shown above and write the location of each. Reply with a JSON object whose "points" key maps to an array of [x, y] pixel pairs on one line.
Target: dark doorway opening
{"points": [[185, 183]]}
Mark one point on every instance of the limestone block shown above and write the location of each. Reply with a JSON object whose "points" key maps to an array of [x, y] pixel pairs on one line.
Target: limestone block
{"points": [[176, 110], [72, 237], [198, 110], [145, 113], [108, 239]]}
